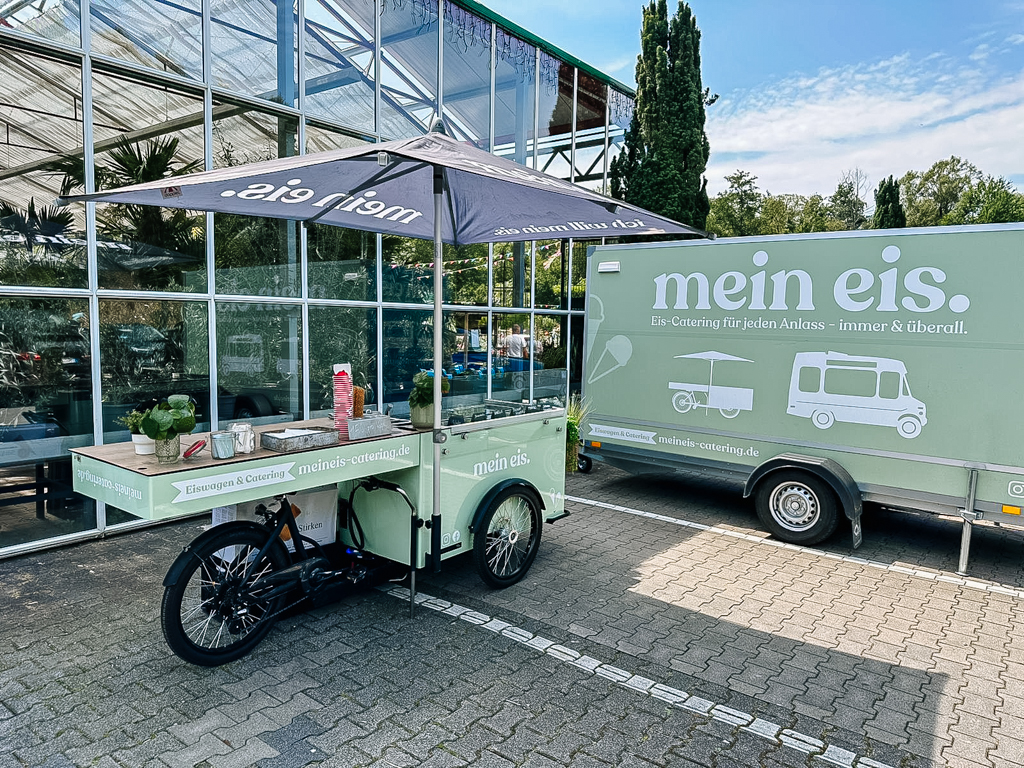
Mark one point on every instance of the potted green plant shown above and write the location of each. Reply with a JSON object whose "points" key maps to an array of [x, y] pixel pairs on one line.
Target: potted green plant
{"points": [[144, 445], [576, 412], [421, 399], [165, 422]]}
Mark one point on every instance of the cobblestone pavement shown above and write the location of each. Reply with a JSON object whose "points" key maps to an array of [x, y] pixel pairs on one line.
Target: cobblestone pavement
{"points": [[658, 626]]}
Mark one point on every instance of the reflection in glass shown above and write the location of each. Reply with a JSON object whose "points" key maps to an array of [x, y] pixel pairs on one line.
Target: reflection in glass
{"points": [[514, 97], [620, 115], [152, 349], [408, 67], [56, 20], [554, 140], [342, 336], [259, 351], [408, 348], [144, 133], [161, 35], [254, 256], [40, 243], [340, 67], [407, 274], [465, 274], [591, 106], [513, 264], [342, 263], [467, 75], [550, 287], [254, 48], [45, 408]]}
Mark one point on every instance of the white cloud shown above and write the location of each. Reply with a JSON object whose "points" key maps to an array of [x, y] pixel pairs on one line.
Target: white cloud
{"points": [[800, 134]]}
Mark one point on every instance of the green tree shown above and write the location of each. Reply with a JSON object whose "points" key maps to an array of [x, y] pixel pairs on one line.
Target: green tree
{"points": [[662, 164], [889, 213], [930, 196], [845, 207], [734, 213], [989, 201]]}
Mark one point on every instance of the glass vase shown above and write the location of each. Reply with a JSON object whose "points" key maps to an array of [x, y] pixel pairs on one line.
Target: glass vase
{"points": [[168, 451]]}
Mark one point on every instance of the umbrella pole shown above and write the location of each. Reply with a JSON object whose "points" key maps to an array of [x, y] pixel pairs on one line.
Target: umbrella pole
{"points": [[435, 517]]}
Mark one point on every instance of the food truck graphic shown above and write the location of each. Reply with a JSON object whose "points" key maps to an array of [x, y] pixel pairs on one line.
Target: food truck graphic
{"points": [[827, 387], [814, 342]]}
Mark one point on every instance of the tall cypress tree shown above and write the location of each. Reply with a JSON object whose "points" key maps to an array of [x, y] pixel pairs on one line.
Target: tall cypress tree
{"points": [[661, 167], [889, 213]]}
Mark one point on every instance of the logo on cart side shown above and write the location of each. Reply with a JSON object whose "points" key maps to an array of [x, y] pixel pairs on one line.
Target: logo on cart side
{"points": [[1016, 489], [500, 463]]}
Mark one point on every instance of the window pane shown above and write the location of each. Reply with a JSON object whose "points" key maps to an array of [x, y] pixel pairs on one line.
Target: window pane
{"points": [[340, 61], [515, 83], [889, 385], [145, 133], [554, 143], [591, 106], [254, 256], [408, 67], [40, 123], [512, 265], [408, 349], [55, 20], [810, 379], [255, 48], [259, 353], [552, 289], [620, 115], [161, 35], [342, 263], [465, 274], [467, 75], [407, 275], [323, 139], [341, 336], [152, 349]]}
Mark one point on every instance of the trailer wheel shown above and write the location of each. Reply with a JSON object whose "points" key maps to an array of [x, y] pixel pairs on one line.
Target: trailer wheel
{"points": [[584, 464], [823, 419], [507, 538], [684, 402], [797, 507], [908, 426]]}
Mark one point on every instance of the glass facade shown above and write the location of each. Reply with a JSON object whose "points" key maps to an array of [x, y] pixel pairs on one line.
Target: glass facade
{"points": [[104, 307]]}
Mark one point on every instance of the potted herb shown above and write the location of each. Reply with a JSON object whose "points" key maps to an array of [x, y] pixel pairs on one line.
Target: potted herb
{"points": [[576, 412], [421, 399], [144, 445], [165, 422]]}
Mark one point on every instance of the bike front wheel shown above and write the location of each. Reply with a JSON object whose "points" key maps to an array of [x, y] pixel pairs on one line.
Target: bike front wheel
{"points": [[221, 606]]}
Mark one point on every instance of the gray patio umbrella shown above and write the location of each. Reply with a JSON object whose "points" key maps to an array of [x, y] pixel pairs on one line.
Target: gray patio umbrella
{"points": [[430, 187]]}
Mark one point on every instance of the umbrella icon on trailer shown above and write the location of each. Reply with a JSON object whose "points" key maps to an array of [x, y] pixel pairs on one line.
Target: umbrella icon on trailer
{"points": [[729, 401]]}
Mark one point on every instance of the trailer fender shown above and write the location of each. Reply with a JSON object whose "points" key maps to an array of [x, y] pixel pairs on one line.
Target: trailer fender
{"points": [[179, 564], [493, 492], [831, 472]]}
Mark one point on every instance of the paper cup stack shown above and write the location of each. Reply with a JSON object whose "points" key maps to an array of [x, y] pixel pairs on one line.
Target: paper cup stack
{"points": [[342, 398]]}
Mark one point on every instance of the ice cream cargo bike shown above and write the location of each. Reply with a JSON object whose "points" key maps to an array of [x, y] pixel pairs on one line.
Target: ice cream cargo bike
{"points": [[355, 505]]}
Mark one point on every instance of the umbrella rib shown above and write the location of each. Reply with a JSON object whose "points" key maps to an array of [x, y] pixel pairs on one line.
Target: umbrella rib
{"points": [[375, 179]]}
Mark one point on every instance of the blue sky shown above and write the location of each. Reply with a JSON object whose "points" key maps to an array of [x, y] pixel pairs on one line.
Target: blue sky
{"points": [[810, 89]]}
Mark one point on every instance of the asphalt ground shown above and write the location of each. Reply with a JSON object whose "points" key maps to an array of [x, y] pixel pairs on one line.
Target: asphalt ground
{"points": [[658, 626]]}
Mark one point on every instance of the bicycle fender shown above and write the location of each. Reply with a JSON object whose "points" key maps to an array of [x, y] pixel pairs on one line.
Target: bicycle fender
{"points": [[183, 558], [491, 494]]}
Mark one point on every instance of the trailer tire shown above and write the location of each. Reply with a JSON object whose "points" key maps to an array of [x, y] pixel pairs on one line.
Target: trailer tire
{"points": [[909, 427], [797, 507], [253, 406], [584, 464], [507, 537]]}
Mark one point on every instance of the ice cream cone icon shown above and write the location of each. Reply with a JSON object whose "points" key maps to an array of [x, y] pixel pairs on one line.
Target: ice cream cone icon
{"points": [[616, 353], [595, 316]]}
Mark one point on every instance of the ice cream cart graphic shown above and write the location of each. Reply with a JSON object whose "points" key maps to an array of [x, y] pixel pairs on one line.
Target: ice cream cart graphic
{"points": [[728, 401], [827, 387]]}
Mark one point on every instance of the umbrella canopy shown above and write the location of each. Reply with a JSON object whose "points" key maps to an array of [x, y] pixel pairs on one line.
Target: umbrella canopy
{"points": [[390, 188], [715, 356]]}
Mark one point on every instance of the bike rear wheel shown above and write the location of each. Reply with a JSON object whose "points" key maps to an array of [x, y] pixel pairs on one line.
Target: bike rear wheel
{"points": [[218, 610]]}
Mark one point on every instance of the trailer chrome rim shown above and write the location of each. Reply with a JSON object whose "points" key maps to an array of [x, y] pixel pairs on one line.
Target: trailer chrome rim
{"points": [[794, 506]]}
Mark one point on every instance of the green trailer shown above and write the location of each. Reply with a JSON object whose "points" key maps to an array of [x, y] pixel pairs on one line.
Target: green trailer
{"points": [[824, 370]]}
